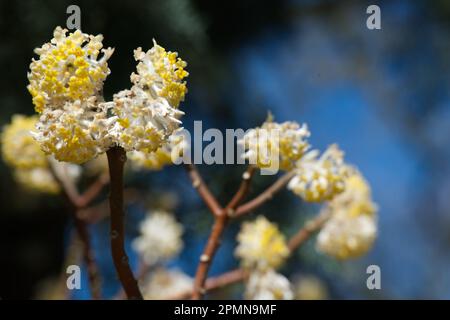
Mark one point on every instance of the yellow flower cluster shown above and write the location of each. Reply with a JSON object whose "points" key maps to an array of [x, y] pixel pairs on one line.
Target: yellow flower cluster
{"points": [[68, 69], [261, 245], [37, 179], [164, 283], [275, 144], [147, 114], [320, 178], [76, 125], [268, 285], [352, 228], [163, 156], [19, 149], [76, 133], [23, 153], [161, 72], [160, 238]]}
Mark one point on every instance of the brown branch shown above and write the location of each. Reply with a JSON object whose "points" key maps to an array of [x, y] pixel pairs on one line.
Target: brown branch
{"points": [[239, 274], [265, 196], [88, 254], [220, 222], [93, 191], [207, 256], [116, 160], [71, 193], [243, 189], [308, 230], [203, 190], [142, 271]]}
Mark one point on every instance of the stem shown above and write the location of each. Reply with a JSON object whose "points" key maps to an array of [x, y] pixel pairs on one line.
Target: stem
{"points": [[207, 256], [265, 196], [116, 160], [72, 195], [239, 274], [308, 230], [203, 190], [220, 222], [94, 277]]}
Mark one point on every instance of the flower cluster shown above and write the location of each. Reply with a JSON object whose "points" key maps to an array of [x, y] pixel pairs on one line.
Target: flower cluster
{"points": [[23, 153], [65, 83], [148, 113], [76, 133], [262, 248], [161, 73], [37, 179], [309, 287], [275, 144], [352, 228], [261, 245], [76, 125], [268, 285], [160, 238], [19, 149], [320, 178], [163, 284], [163, 156], [68, 69]]}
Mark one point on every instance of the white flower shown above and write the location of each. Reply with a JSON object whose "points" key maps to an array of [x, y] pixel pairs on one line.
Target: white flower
{"points": [[274, 144], [165, 155], [37, 179], [161, 74], [76, 133], [268, 285], [143, 122], [163, 284], [309, 287], [319, 178], [261, 245], [352, 228], [347, 237], [160, 238], [68, 69]]}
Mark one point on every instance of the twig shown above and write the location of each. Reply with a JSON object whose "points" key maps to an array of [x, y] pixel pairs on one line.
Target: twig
{"points": [[203, 190], [309, 229], [239, 274], [141, 272], [71, 193], [88, 254], [265, 196], [213, 243], [116, 160]]}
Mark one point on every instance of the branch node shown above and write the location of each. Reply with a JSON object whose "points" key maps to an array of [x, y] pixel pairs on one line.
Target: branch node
{"points": [[246, 175], [231, 212], [196, 183], [204, 258]]}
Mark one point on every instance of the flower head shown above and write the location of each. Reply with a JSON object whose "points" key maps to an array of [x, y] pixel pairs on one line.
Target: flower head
{"points": [[76, 133], [37, 179], [161, 74], [147, 114], [352, 228], [309, 287], [68, 69], [160, 238], [268, 285], [19, 149], [163, 156], [274, 143], [319, 178], [261, 245], [163, 284]]}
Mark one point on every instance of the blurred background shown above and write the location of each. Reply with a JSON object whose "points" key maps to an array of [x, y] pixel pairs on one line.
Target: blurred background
{"points": [[382, 95]]}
